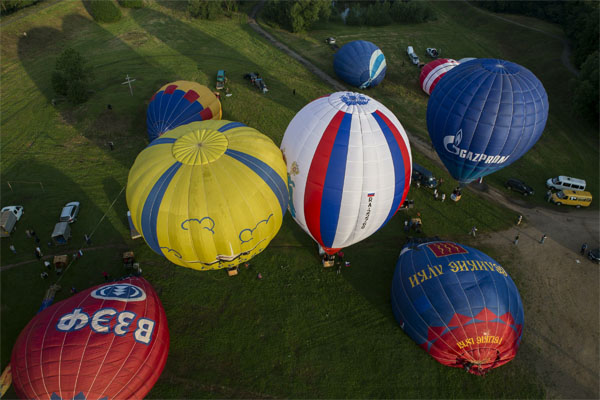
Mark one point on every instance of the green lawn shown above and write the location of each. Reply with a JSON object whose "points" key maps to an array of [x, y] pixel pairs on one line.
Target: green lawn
{"points": [[302, 331], [569, 146]]}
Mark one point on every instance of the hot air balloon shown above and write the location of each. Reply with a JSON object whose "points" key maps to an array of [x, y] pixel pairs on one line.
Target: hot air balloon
{"points": [[349, 167], [433, 71], [360, 63], [208, 195], [484, 115], [458, 304], [179, 103], [107, 342]]}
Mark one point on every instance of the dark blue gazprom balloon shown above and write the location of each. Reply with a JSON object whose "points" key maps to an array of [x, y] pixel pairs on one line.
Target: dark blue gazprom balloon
{"points": [[360, 63], [484, 115], [458, 304]]}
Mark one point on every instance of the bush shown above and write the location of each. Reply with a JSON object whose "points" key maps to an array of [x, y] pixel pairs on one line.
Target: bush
{"points": [[104, 10], [585, 98], [10, 6], [205, 9], [131, 3], [297, 15], [71, 76]]}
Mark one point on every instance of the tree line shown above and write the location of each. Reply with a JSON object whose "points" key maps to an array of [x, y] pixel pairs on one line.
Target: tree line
{"points": [[301, 15], [580, 22]]}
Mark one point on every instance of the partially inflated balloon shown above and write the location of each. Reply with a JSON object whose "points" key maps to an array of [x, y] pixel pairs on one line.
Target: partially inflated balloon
{"points": [[107, 342], [208, 195], [484, 115], [349, 168], [360, 63], [179, 103], [433, 71], [458, 304]]}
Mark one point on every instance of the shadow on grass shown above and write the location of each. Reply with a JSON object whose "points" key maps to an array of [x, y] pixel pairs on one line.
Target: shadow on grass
{"points": [[22, 287], [124, 124], [209, 48]]}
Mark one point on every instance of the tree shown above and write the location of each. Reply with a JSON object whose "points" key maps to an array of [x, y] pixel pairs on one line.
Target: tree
{"points": [[71, 76], [297, 15], [585, 98]]}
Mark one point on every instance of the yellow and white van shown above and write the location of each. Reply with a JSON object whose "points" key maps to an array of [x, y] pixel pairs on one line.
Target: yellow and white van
{"points": [[577, 198]]}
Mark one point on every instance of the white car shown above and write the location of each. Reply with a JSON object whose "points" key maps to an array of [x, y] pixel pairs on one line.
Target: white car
{"points": [[17, 210], [69, 212], [413, 57]]}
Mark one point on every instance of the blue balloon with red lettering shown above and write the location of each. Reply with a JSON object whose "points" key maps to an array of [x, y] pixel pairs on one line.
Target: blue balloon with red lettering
{"points": [[484, 115], [458, 304]]}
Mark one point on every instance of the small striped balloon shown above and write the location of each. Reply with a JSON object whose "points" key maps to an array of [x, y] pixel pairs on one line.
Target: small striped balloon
{"points": [[179, 103], [208, 195], [434, 71], [360, 63], [349, 167]]}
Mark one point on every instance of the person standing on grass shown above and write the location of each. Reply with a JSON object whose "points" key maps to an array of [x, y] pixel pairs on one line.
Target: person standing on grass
{"points": [[12, 248], [443, 197], [519, 220], [543, 239], [516, 242], [583, 248], [473, 231]]}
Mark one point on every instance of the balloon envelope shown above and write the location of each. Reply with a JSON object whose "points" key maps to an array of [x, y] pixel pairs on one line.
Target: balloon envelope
{"points": [[360, 63], [208, 195], [179, 103], [484, 115], [458, 304], [433, 71], [349, 168], [107, 342]]}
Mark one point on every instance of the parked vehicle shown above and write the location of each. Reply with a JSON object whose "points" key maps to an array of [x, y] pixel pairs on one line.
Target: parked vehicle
{"points": [[7, 223], [257, 81], [577, 198], [221, 79], [61, 233], [69, 212], [330, 40], [18, 211], [423, 176], [565, 182], [432, 52], [594, 255], [519, 186], [411, 54]]}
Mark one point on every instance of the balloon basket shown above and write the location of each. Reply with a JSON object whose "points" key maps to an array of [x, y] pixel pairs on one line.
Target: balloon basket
{"points": [[328, 263], [232, 271]]}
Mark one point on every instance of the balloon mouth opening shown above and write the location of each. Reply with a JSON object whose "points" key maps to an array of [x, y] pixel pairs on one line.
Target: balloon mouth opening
{"points": [[480, 361], [200, 146]]}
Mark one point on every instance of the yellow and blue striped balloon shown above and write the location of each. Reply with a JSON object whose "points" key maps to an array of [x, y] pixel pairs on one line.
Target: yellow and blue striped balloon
{"points": [[209, 194]]}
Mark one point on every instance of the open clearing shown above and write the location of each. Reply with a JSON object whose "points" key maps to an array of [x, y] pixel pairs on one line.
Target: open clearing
{"points": [[302, 331]]}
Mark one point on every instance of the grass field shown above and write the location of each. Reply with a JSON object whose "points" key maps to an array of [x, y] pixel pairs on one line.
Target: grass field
{"points": [[302, 331], [569, 146]]}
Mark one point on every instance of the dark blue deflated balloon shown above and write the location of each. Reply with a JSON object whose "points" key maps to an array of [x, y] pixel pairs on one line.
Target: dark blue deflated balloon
{"points": [[484, 115]]}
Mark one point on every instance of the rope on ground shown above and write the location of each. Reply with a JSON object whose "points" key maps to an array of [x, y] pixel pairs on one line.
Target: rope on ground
{"points": [[92, 234]]}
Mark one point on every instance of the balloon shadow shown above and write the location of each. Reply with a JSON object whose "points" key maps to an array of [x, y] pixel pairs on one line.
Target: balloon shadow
{"points": [[23, 289]]}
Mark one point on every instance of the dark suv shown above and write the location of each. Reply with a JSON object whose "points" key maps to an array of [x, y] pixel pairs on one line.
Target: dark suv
{"points": [[423, 176], [519, 186]]}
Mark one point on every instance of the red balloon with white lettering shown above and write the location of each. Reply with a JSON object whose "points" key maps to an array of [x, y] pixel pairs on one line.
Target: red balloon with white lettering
{"points": [[107, 342]]}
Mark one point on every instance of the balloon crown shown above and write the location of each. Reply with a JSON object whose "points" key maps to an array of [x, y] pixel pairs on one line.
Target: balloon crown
{"points": [[351, 99]]}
